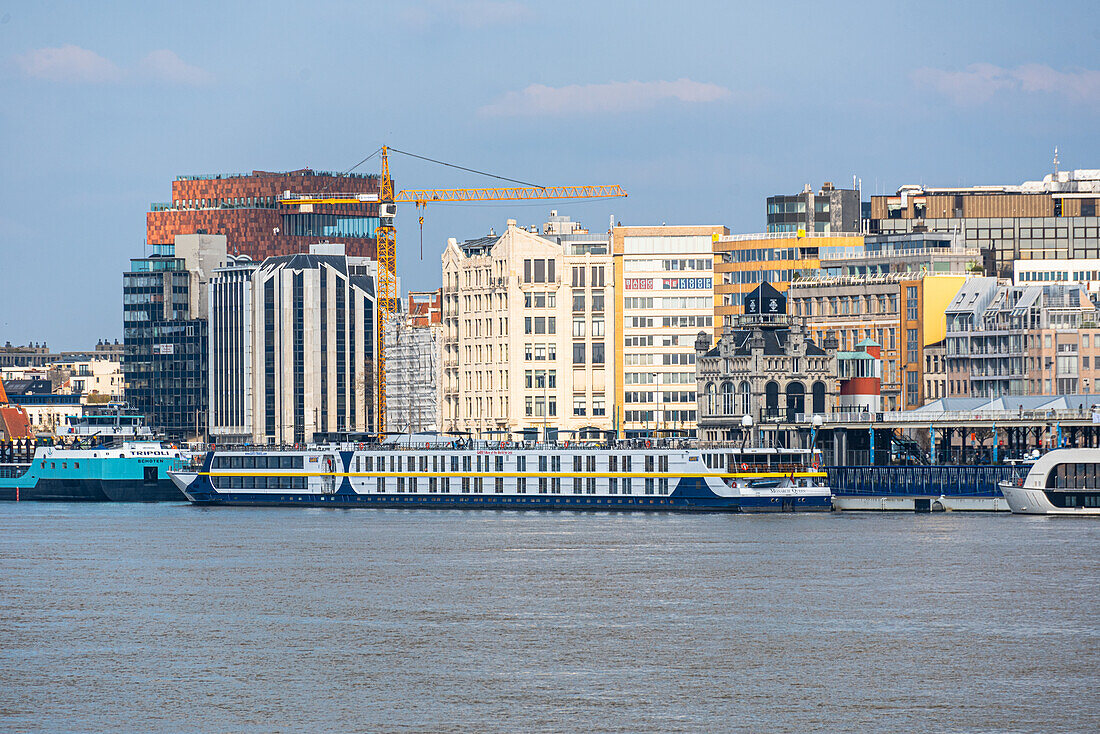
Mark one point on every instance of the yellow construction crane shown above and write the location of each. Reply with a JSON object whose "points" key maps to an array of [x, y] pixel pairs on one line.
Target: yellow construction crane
{"points": [[386, 235]]}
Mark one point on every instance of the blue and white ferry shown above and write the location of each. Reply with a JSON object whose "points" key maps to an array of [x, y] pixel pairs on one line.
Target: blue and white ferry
{"points": [[133, 471], [513, 476]]}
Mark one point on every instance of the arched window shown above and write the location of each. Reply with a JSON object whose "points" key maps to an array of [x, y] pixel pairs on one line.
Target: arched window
{"points": [[771, 399], [796, 400], [819, 397], [746, 398], [727, 398]]}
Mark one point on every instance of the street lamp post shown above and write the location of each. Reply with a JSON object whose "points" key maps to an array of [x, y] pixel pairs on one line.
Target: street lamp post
{"points": [[815, 425]]}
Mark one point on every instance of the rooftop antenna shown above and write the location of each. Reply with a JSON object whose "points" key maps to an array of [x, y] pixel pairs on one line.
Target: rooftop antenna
{"points": [[1056, 161]]}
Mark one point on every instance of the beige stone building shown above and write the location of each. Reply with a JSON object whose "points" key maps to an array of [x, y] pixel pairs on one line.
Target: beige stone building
{"points": [[526, 334]]}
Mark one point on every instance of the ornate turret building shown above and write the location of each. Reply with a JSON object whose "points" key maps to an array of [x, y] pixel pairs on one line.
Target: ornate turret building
{"points": [[765, 366]]}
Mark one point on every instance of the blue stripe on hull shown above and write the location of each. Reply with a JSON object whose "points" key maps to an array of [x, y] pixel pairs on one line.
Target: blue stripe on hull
{"points": [[514, 502]]}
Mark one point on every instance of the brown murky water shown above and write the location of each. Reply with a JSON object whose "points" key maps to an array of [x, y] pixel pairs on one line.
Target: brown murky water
{"points": [[173, 618]]}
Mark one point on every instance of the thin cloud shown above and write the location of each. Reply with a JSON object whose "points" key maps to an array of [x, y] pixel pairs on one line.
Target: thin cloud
{"points": [[68, 64], [467, 13], [980, 82], [81, 66], [165, 65], [610, 98]]}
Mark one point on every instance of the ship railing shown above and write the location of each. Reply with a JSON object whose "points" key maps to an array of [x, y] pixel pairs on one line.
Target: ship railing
{"points": [[739, 446], [13, 471], [460, 444], [921, 416], [769, 468]]}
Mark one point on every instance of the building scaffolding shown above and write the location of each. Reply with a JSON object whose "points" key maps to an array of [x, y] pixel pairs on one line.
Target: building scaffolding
{"points": [[413, 366]]}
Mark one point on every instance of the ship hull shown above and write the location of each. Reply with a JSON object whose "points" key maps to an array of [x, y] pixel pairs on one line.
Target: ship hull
{"points": [[512, 502], [95, 490], [135, 472], [1033, 501]]}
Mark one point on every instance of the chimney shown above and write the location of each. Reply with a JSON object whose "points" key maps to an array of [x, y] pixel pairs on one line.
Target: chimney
{"points": [[702, 342]]}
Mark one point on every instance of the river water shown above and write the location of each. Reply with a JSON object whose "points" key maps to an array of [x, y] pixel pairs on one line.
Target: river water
{"points": [[135, 618]]}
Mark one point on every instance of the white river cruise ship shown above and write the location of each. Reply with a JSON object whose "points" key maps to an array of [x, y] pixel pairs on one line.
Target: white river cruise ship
{"points": [[507, 475]]}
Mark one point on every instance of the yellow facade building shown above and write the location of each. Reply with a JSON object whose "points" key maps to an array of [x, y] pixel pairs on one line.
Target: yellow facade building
{"points": [[744, 261]]}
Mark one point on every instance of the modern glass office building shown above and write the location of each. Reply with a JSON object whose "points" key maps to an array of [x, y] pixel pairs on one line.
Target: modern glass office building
{"points": [[828, 210], [164, 359], [1052, 219]]}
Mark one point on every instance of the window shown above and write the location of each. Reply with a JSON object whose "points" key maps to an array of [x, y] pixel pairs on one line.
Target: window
{"points": [[597, 301], [597, 353], [578, 327], [578, 353], [578, 301], [538, 271], [578, 276], [598, 407], [597, 327], [911, 302], [911, 342], [579, 407]]}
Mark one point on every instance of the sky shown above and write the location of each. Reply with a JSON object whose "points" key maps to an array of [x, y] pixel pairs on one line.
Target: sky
{"points": [[700, 110]]}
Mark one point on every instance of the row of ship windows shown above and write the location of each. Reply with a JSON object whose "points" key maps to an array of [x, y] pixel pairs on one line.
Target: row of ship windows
{"points": [[543, 485], [1074, 476], [615, 463], [412, 463], [1059, 499], [465, 485], [258, 462], [731, 461], [291, 482]]}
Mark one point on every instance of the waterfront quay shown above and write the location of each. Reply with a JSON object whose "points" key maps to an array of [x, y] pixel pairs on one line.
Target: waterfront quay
{"points": [[962, 431]]}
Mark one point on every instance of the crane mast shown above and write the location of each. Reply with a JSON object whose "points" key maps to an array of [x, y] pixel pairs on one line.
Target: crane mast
{"points": [[386, 242]]}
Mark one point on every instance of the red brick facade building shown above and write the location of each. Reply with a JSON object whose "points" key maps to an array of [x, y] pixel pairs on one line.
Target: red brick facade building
{"points": [[245, 208], [425, 308]]}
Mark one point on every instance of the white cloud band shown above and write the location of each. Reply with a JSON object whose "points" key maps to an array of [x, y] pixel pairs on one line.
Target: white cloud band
{"points": [[80, 66], [613, 97], [979, 82]]}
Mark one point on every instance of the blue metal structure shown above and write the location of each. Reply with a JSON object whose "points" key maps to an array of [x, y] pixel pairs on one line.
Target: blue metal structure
{"points": [[915, 481]]}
